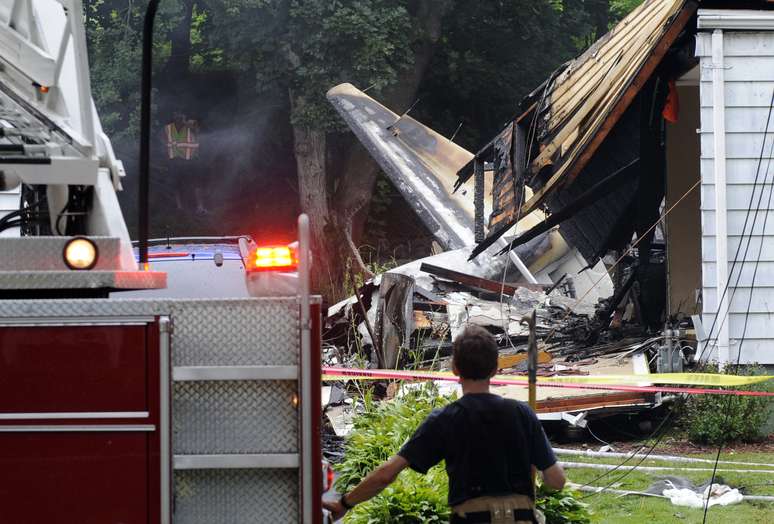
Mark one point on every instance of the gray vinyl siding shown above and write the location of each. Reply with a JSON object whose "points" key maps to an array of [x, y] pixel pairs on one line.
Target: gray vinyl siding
{"points": [[749, 81]]}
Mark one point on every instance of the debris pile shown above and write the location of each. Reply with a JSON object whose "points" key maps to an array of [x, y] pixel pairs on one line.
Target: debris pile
{"points": [[408, 317]]}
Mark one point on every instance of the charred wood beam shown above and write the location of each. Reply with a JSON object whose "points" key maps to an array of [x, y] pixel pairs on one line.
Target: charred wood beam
{"points": [[478, 200], [616, 301], [467, 171], [594, 193], [491, 239], [478, 283]]}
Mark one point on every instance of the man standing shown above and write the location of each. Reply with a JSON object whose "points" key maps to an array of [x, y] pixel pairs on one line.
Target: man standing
{"points": [[181, 140], [490, 445]]}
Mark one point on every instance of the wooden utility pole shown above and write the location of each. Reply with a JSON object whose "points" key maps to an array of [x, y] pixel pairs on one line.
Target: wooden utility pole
{"points": [[532, 360]]}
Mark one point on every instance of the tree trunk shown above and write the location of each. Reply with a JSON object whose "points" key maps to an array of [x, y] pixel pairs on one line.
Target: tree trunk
{"points": [[177, 67], [331, 226], [310, 152]]}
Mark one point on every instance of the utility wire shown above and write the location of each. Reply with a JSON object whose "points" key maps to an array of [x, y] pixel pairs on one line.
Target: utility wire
{"points": [[742, 236], [725, 290], [658, 433], [752, 288], [624, 255]]}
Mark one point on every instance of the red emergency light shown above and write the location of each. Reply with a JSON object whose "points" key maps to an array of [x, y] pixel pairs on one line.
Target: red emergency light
{"points": [[273, 258]]}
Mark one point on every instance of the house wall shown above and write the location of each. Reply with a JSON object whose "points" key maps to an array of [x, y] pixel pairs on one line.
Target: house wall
{"points": [[683, 223], [747, 80]]}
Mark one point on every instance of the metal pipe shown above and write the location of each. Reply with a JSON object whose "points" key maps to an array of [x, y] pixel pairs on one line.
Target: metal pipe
{"points": [[619, 467], [532, 356], [145, 122], [307, 487], [165, 421], [670, 458], [598, 489]]}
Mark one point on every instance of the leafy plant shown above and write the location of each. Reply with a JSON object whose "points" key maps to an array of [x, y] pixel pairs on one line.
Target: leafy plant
{"points": [[377, 434], [413, 498], [715, 419], [561, 507]]}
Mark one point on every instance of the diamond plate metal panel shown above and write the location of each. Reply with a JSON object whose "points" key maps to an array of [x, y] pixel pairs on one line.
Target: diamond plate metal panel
{"points": [[236, 496], [45, 253], [217, 417], [228, 332], [223, 333], [67, 279]]}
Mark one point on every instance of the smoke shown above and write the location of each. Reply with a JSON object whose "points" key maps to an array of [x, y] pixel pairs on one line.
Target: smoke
{"points": [[242, 180]]}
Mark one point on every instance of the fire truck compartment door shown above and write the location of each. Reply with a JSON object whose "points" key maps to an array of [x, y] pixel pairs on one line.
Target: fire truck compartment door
{"points": [[84, 422]]}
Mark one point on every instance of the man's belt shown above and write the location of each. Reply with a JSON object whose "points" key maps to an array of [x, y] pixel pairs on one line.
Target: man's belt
{"points": [[519, 515]]}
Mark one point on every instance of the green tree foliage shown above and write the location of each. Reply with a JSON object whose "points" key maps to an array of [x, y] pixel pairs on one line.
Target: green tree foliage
{"points": [[466, 61], [114, 38], [490, 56], [621, 8], [114, 52], [329, 42]]}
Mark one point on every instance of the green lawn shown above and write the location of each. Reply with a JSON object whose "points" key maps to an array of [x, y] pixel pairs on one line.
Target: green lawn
{"points": [[633, 509]]}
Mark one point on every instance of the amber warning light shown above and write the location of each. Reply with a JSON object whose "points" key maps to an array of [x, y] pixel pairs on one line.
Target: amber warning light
{"points": [[274, 258]]}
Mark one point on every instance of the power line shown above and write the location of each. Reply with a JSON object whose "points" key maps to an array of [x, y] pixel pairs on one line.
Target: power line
{"points": [[742, 236], [752, 288]]}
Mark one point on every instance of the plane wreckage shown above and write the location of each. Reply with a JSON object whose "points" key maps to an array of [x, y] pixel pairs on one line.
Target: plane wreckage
{"points": [[423, 165]]}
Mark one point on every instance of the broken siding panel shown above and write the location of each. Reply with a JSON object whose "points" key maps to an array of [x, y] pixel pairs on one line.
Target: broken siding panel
{"points": [[749, 75], [582, 105], [590, 228], [587, 72]]}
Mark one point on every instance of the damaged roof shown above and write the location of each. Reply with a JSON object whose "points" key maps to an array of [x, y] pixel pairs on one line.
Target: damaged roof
{"points": [[577, 107]]}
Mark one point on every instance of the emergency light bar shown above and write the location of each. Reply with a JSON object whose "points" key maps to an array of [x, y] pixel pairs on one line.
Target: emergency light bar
{"points": [[273, 258]]}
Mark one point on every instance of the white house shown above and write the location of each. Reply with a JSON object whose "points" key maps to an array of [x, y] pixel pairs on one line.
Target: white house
{"points": [[736, 91]]}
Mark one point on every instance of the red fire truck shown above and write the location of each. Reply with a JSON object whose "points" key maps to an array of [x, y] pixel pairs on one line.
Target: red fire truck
{"points": [[144, 409]]}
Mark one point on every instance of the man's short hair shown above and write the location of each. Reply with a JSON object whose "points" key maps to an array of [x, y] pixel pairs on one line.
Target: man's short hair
{"points": [[475, 353]]}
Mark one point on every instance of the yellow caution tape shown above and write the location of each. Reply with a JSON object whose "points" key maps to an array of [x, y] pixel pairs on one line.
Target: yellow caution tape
{"points": [[682, 379]]}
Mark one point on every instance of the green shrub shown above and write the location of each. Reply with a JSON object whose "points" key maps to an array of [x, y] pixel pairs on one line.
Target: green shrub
{"points": [[716, 419], [561, 507], [377, 435]]}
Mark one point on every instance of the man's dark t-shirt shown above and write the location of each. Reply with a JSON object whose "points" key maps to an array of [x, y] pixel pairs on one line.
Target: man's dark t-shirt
{"points": [[489, 444]]}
